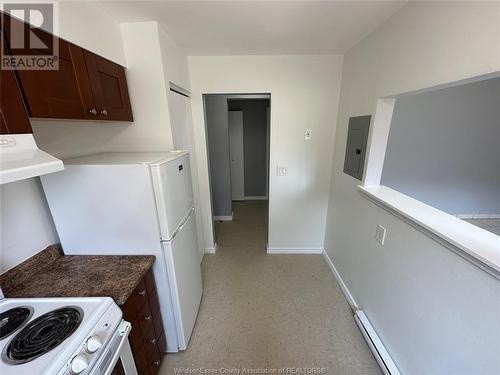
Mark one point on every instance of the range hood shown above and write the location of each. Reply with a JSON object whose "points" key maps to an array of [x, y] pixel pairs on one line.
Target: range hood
{"points": [[20, 158]]}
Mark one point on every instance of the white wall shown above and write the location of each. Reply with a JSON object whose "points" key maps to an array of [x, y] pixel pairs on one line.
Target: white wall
{"points": [[175, 63], [148, 53], [86, 25], [102, 36], [304, 93], [26, 224], [148, 91], [435, 312]]}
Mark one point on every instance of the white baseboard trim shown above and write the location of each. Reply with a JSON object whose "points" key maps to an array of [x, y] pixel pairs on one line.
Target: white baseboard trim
{"points": [[378, 349], [224, 218], [211, 250], [347, 294], [287, 250], [256, 198], [478, 216]]}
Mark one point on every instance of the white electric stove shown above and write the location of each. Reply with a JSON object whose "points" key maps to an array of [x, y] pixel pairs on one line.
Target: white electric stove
{"points": [[62, 336]]}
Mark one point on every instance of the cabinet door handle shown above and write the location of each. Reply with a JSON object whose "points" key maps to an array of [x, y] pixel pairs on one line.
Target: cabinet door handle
{"points": [[104, 112], [142, 293], [152, 341], [147, 317], [93, 111], [156, 363]]}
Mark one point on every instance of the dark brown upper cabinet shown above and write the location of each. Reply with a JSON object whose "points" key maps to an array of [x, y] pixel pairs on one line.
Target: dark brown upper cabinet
{"points": [[64, 93], [85, 86], [13, 114], [109, 88]]}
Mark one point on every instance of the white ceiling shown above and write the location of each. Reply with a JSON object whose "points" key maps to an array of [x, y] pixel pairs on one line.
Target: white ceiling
{"points": [[259, 27]]}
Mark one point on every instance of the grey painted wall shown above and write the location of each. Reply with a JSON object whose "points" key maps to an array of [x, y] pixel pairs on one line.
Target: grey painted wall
{"points": [[254, 143], [218, 153], [444, 148]]}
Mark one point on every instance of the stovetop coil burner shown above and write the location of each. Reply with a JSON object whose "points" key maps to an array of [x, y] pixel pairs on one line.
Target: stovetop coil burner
{"points": [[42, 335], [12, 319]]}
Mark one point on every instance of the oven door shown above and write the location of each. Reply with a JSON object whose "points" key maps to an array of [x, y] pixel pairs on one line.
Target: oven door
{"points": [[117, 358]]}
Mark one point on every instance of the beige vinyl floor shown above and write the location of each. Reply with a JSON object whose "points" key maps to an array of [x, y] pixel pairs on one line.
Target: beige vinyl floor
{"points": [[270, 312]]}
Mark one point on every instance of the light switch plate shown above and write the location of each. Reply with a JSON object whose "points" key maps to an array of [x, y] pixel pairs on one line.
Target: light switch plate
{"points": [[380, 234], [281, 171], [308, 134]]}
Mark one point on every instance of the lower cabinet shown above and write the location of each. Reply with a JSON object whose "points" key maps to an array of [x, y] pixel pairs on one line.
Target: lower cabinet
{"points": [[147, 337]]}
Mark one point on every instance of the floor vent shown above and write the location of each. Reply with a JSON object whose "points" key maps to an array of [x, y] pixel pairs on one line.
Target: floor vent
{"points": [[381, 355]]}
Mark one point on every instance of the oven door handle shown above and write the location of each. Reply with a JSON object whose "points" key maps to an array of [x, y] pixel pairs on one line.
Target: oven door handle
{"points": [[123, 351]]}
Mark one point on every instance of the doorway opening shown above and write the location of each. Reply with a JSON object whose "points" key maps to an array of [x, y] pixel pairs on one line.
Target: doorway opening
{"points": [[238, 144]]}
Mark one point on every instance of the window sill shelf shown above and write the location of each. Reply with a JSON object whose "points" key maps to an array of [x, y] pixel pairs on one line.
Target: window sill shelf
{"points": [[473, 243]]}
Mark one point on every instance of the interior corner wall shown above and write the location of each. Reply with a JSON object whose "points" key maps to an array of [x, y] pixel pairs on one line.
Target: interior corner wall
{"points": [[101, 36], [148, 92], [139, 48], [65, 138], [304, 93], [435, 312], [26, 226], [150, 131], [254, 144], [175, 64], [23, 205], [217, 126], [444, 148]]}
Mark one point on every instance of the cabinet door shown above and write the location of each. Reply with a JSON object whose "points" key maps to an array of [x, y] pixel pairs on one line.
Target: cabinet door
{"points": [[13, 115], [63, 93], [109, 88]]}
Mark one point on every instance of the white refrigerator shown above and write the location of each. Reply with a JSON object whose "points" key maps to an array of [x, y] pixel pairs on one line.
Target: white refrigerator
{"points": [[135, 204]]}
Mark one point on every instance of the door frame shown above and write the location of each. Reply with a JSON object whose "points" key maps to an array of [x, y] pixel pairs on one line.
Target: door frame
{"points": [[261, 95]]}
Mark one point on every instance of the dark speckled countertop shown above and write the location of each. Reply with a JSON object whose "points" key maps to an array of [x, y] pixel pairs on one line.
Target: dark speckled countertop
{"points": [[53, 274]]}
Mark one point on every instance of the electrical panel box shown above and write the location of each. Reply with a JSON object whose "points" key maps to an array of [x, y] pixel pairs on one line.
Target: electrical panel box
{"points": [[357, 139]]}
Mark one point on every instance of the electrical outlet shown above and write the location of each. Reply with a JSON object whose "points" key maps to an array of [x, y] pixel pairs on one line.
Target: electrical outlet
{"points": [[380, 234], [281, 171], [308, 135]]}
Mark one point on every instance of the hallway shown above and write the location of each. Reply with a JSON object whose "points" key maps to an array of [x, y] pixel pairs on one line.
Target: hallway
{"points": [[269, 311]]}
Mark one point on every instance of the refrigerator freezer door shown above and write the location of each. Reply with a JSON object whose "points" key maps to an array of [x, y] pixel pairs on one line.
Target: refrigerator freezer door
{"points": [[184, 277], [173, 193]]}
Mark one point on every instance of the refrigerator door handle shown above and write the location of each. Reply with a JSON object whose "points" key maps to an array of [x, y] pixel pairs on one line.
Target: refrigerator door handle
{"points": [[179, 228]]}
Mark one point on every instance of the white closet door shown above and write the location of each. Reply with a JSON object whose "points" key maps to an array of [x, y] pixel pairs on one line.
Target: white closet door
{"points": [[180, 121], [236, 154]]}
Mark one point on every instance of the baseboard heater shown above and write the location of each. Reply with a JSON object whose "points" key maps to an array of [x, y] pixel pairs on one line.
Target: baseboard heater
{"points": [[381, 354]]}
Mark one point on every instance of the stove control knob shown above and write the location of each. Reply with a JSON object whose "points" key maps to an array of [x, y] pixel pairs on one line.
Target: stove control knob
{"points": [[79, 364], [93, 344]]}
